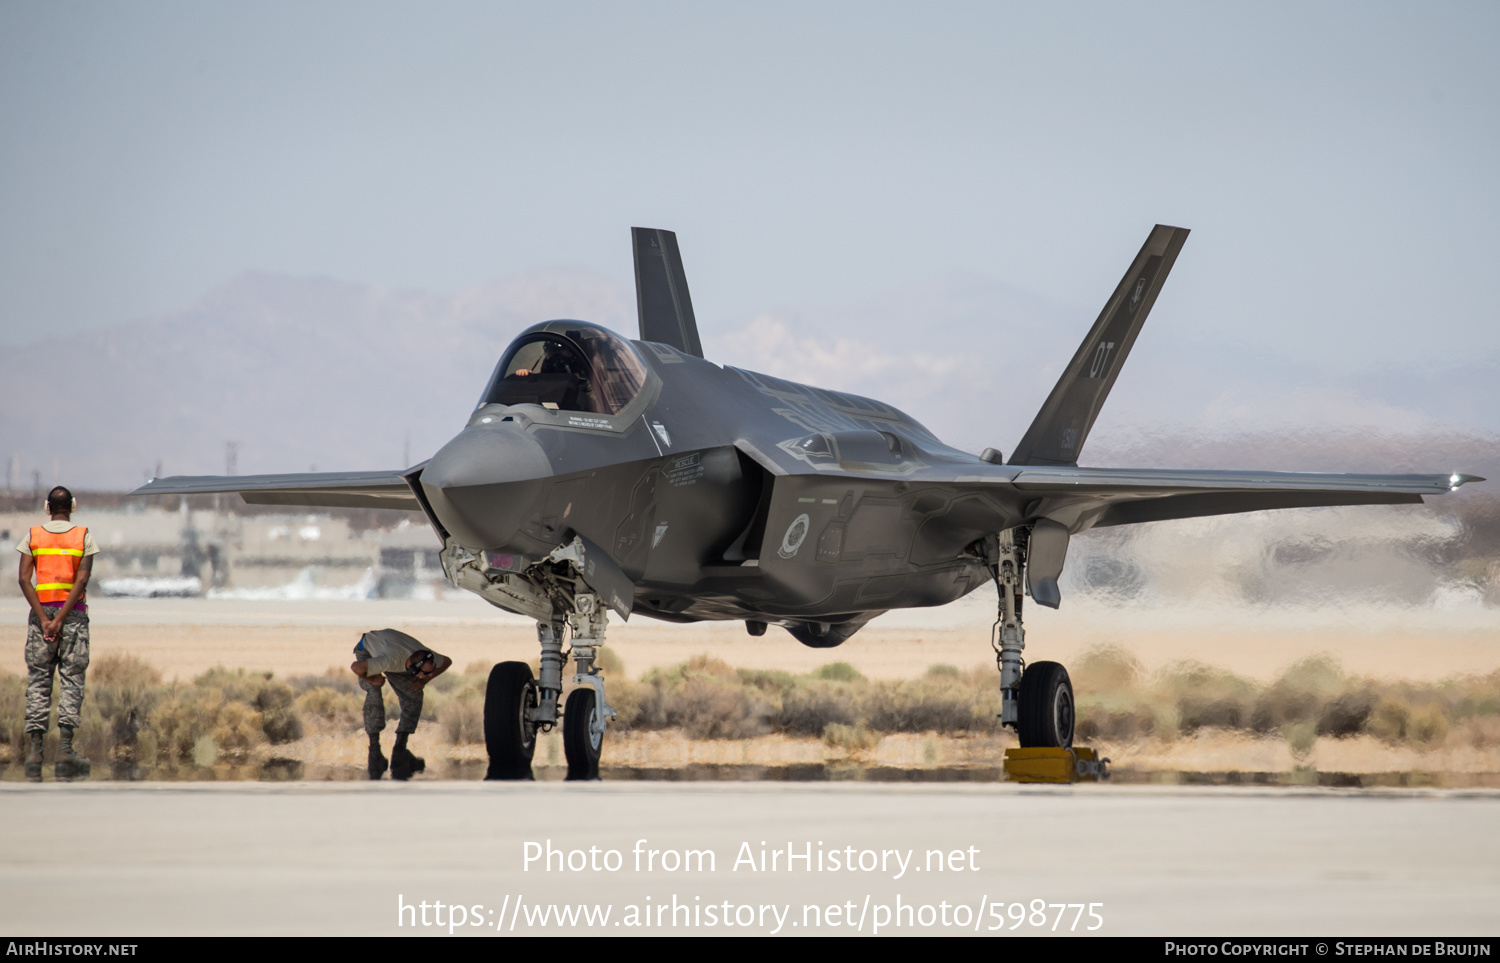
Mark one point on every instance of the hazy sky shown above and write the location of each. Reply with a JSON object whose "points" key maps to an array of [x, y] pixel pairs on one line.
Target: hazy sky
{"points": [[1337, 161]]}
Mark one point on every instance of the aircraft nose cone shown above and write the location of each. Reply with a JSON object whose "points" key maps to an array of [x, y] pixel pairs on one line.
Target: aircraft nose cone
{"points": [[481, 483]]}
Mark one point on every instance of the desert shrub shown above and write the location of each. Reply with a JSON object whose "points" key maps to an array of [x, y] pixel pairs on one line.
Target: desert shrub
{"points": [[333, 678], [1300, 738], [199, 723], [1115, 719], [446, 682], [704, 697], [771, 681], [838, 672], [237, 729], [1106, 668], [609, 662], [919, 707], [181, 717], [1298, 695], [808, 710], [13, 713], [625, 699], [281, 726], [275, 701], [1200, 696], [336, 708], [1194, 714], [1428, 725], [943, 672], [236, 685], [1482, 733], [707, 665], [124, 689], [246, 694], [1389, 718], [123, 670], [1474, 697], [851, 738], [1346, 714], [462, 719], [712, 709], [92, 737]]}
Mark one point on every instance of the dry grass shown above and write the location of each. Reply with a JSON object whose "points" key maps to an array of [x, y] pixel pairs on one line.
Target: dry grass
{"points": [[1313, 699], [1314, 711]]}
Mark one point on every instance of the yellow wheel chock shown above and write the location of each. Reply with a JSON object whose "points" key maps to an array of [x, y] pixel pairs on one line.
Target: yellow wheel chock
{"points": [[1055, 765]]}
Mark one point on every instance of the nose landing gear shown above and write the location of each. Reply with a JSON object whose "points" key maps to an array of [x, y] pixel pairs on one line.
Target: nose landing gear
{"points": [[517, 707]]}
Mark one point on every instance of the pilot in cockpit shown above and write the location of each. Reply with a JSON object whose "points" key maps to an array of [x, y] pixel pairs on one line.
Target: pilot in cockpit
{"points": [[556, 359], [579, 370]]}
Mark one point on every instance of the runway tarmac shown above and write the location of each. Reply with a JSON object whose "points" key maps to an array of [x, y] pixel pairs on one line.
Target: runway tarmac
{"points": [[344, 858]]}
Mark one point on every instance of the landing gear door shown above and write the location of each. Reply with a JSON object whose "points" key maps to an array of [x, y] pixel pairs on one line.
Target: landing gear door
{"points": [[601, 573]]}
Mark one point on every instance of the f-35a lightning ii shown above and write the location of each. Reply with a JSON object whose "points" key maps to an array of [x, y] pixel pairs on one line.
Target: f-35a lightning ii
{"points": [[599, 474]]}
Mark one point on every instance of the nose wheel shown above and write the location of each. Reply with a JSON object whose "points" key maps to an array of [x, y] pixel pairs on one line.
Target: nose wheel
{"points": [[510, 702], [583, 734]]}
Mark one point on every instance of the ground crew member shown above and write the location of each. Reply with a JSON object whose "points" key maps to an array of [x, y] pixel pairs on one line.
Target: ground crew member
{"points": [[387, 655], [61, 557]]}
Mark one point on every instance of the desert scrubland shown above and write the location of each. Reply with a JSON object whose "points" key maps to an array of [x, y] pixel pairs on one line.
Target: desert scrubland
{"points": [[203, 688]]}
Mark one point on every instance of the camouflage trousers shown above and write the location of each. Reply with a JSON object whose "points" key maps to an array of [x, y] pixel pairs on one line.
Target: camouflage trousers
{"points": [[410, 698], [68, 656]]}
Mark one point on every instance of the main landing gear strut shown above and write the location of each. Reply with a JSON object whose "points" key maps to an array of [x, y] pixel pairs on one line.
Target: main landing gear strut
{"points": [[1036, 699], [517, 706]]}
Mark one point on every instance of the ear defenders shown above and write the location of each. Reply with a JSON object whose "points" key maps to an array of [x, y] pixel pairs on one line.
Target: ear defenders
{"points": [[47, 503]]}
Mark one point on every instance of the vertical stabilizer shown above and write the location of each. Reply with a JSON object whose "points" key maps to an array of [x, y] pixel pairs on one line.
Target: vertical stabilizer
{"points": [[661, 291], [1062, 425]]}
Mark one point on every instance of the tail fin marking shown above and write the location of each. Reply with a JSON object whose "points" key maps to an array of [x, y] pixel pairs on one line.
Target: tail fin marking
{"points": [[1062, 425]]}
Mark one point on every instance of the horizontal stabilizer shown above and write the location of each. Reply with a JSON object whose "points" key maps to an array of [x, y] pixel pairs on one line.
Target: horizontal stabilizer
{"points": [[1202, 504], [1101, 497], [1168, 481], [1062, 425], [334, 489], [661, 291]]}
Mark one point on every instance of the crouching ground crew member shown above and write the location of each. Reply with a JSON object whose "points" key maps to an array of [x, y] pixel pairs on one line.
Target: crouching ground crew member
{"points": [[61, 556], [387, 655]]}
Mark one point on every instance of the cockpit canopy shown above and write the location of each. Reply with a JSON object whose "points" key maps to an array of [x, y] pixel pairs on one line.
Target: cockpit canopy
{"points": [[567, 366]]}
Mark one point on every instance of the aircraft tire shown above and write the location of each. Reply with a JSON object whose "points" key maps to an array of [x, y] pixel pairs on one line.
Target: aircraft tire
{"points": [[509, 737], [581, 746], [1047, 707]]}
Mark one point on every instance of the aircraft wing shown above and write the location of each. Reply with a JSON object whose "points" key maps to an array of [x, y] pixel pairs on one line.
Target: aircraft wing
{"points": [[1124, 496], [334, 489]]}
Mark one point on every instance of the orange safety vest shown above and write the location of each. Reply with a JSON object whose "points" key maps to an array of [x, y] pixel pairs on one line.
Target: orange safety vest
{"points": [[57, 560]]}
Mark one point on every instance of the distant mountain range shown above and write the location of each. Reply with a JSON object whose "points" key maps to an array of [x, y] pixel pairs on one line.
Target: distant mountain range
{"points": [[303, 373]]}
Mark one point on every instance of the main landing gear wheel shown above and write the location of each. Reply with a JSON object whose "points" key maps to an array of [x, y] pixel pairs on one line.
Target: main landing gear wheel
{"points": [[582, 739], [509, 733], [1046, 710]]}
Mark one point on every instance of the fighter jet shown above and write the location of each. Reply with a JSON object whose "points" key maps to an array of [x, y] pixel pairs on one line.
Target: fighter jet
{"points": [[598, 474]]}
